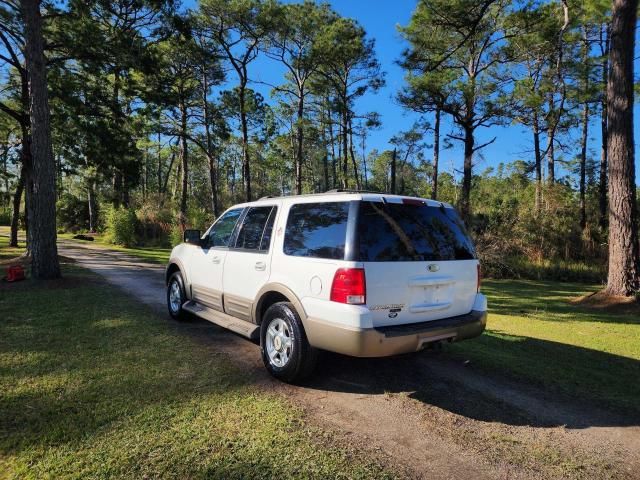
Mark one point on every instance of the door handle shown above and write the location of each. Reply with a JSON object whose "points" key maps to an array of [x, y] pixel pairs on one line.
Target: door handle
{"points": [[216, 260], [261, 266]]}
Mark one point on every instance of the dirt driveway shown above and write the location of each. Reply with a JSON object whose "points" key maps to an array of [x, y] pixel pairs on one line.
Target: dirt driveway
{"points": [[424, 415]]}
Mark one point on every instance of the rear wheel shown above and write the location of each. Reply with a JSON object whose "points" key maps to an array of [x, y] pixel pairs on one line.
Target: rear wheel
{"points": [[176, 296], [286, 353]]}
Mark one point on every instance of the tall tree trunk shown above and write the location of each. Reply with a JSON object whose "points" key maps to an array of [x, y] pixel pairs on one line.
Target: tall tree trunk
{"points": [[299, 144], [538, 157], [353, 158], [623, 229], [42, 182], [465, 200], [159, 169], [551, 158], [184, 157], [325, 157], [334, 162], [583, 164], [117, 188], [17, 199], [436, 155], [91, 200], [585, 129], [392, 185], [602, 187], [246, 169], [345, 148], [213, 164]]}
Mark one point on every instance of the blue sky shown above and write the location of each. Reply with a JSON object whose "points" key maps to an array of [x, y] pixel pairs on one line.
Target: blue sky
{"points": [[380, 19]]}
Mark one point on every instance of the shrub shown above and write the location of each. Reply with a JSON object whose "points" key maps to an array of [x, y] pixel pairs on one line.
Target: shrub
{"points": [[154, 225], [5, 216], [121, 226], [176, 235], [72, 213]]}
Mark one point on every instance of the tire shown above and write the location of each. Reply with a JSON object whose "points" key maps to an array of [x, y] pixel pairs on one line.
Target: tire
{"points": [[174, 305], [286, 353]]}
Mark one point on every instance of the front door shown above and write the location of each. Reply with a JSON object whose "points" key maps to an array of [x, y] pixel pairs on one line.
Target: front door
{"points": [[248, 261], [207, 263]]}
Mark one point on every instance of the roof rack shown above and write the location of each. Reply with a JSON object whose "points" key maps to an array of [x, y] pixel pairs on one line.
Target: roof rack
{"points": [[350, 190]]}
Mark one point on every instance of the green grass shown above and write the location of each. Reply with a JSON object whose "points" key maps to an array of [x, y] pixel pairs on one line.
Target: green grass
{"points": [[94, 386], [6, 252], [535, 334], [158, 255]]}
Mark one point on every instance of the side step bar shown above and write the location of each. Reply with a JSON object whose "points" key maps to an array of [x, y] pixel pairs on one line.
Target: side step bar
{"points": [[242, 327]]}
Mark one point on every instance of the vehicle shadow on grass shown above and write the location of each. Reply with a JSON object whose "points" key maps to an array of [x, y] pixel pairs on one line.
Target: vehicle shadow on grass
{"points": [[470, 380]]}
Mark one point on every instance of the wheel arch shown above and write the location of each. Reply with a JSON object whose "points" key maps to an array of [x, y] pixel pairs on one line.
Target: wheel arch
{"points": [[273, 293], [175, 265]]}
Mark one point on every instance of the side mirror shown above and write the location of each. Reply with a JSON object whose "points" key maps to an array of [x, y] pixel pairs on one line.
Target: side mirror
{"points": [[192, 237]]}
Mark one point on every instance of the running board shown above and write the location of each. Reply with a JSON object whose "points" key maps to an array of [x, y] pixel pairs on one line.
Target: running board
{"points": [[242, 327]]}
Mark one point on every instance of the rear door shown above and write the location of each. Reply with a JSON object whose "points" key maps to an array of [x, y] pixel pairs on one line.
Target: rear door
{"points": [[247, 266], [419, 262]]}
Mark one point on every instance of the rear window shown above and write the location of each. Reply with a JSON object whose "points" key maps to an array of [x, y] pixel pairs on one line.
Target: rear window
{"points": [[317, 230], [392, 232]]}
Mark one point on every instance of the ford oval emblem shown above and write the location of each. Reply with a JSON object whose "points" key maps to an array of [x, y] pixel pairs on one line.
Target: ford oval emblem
{"points": [[433, 268]]}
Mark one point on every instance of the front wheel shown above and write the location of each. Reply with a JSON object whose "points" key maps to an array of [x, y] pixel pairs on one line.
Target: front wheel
{"points": [[176, 297], [285, 350]]}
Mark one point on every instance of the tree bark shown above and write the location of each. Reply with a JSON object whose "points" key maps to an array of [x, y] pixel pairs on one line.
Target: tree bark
{"points": [[436, 155], [42, 201], [623, 228]]}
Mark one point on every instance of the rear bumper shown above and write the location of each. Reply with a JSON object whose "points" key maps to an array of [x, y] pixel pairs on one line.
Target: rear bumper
{"points": [[392, 340]]}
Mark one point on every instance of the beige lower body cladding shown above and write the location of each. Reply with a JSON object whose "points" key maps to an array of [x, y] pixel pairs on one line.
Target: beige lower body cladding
{"points": [[394, 340]]}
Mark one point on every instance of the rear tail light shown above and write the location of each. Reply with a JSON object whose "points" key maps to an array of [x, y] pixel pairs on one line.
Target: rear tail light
{"points": [[479, 279], [349, 286]]}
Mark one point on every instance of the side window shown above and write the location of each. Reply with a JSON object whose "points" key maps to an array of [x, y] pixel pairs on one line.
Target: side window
{"points": [[253, 230], [268, 230], [317, 230], [221, 232]]}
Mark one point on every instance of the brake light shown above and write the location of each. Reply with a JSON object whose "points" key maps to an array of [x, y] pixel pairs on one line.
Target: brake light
{"points": [[479, 279], [349, 286], [413, 201]]}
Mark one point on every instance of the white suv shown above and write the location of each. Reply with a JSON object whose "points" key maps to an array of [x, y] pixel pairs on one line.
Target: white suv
{"points": [[361, 274]]}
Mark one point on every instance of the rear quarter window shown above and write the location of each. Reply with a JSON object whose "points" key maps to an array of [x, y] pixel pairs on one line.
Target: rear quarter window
{"points": [[392, 232], [317, 230]]}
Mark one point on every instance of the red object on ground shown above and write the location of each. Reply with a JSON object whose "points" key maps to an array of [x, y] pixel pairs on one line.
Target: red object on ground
{"points": [[15, 273]]}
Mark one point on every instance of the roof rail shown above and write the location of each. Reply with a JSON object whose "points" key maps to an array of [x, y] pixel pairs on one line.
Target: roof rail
{"points": [[352, 190], [266, 197]]}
